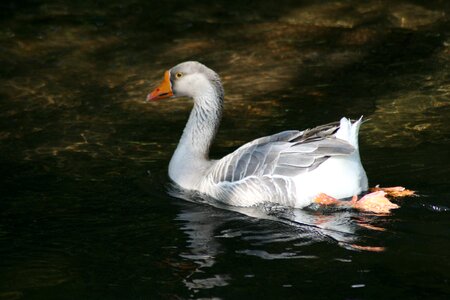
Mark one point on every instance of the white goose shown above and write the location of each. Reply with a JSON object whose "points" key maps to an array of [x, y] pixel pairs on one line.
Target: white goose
{"points": [[292, 168]]}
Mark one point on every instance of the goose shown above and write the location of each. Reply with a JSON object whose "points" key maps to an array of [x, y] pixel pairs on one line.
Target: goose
{"points": [[292, 168]]}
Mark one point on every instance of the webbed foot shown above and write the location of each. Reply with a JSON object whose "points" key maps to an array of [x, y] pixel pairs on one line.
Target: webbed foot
{"points": [[394, 191], [375, 202]]}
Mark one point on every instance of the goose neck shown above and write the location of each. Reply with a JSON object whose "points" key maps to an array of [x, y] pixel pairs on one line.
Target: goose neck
{"points": [[202, 125]]}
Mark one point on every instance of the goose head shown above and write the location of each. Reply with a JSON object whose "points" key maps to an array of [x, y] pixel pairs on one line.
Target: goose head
{"points": [[188, 79]]}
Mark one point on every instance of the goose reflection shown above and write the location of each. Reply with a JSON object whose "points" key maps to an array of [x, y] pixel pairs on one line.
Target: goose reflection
{"points": [[208, 222]]}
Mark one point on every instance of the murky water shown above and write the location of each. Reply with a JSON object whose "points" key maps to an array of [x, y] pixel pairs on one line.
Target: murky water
{"points": [[87, 211]]}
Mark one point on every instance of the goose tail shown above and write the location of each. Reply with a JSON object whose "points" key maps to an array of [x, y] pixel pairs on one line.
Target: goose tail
{"points": [[349, 131]]}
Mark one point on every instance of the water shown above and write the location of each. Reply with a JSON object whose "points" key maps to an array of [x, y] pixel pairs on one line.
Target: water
{"points": [[87, 210]]}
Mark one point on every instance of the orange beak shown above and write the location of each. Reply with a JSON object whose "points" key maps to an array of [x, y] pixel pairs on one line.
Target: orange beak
{"points": [[164, 90]]}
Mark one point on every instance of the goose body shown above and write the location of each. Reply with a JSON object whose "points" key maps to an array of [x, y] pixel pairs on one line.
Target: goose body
{"points": [[290, 168]]}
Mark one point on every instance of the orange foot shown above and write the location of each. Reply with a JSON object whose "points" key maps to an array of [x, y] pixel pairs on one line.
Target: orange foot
{"points": [[395, 191], [324, 199], [374, 202]]}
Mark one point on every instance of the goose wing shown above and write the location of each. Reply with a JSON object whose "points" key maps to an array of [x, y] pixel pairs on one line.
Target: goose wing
{"points": [[287, 153]]}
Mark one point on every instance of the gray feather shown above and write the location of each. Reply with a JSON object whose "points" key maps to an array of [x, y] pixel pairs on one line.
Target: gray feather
{"points": [[288, 153], [295, 160]]}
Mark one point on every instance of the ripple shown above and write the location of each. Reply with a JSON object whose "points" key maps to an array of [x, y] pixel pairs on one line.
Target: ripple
{"points": [[271, 256]]}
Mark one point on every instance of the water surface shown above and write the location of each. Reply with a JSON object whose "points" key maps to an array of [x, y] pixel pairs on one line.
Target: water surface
{"points": [[87, 210]]}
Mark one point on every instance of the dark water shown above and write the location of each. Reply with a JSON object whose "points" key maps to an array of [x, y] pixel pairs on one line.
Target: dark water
{"points": [[87, 211]]}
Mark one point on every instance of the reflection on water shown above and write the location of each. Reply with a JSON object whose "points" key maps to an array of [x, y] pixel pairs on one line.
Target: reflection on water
{"points": [[84, 209], [208, 223], [316, 224]]}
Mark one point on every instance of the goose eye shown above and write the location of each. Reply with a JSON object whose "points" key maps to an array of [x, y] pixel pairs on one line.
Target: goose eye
{"points": [[178, 75]]}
